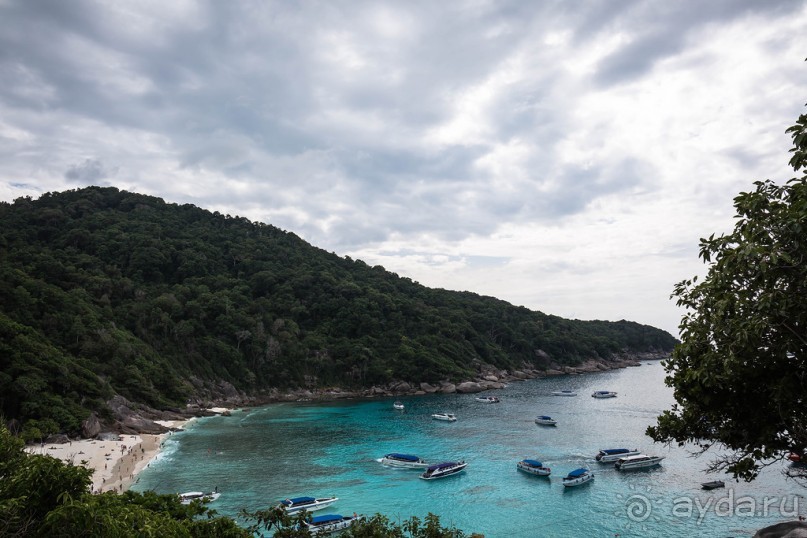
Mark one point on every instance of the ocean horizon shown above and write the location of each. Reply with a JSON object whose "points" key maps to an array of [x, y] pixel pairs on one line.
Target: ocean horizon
{"points": [[258, 456]]}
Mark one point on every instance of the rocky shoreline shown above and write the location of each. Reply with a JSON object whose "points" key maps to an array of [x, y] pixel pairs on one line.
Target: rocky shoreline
{"points": [[132, 418], [488, 379]]}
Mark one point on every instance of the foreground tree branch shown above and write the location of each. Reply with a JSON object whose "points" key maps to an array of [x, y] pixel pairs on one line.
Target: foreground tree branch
{"points": [[738, 373]]}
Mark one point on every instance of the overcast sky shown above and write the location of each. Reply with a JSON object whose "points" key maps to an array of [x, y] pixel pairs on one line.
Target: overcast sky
{"points": [[561, 155]]}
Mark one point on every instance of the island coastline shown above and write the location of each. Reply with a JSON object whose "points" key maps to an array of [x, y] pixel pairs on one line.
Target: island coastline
{"points": [[117, 458]]}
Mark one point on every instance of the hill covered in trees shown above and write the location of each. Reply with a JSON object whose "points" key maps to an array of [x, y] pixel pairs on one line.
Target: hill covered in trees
{"points": [[106, 292]]}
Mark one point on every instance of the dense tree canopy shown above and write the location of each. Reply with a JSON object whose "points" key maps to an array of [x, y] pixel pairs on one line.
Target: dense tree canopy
{"points": [[107, 292], [740, 372]]}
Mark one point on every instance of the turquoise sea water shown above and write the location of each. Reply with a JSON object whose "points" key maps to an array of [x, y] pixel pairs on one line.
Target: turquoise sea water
{"points": [[259, 456]]}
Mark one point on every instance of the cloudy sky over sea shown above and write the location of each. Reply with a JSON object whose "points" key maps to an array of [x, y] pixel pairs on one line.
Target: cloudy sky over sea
{"points": [[562, 155]]}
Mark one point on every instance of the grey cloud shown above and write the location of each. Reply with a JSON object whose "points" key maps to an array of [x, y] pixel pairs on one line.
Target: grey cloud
{"points": [[575, 188], [665, 28], [90, 172], [388, 169]]}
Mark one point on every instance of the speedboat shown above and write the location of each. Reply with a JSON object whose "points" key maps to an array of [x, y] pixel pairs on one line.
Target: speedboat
{"points": [[328, 523], [609, 455], [309, 504], [407, 461], [441, 470], [190, 496], [714, 484], [642, 461], [533, 467], [487, 399], [398, 405], [577, 477], [564, 393], [545, 420], [448, 417], [603, 394]]}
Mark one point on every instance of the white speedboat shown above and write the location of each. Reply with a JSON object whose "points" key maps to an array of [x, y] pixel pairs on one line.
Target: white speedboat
{"points": [[190, 496], [603, 394], [448, 417], [442, 470], [533, 467], [328, 523], [309, 504], [642, 461], [407, 461], [398, 405], [610, 455], [577, 477], [487, 399], [564, 393], [545, 420]]}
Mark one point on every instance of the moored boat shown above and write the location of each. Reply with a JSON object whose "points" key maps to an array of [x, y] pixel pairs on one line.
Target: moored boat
{"points": [[714, 484], [408, 461], [398, 405], [564, 393], [545, 420], [533, 467], [309, 504], [328, 523], [448, 417], [487, 399], [603, 394], [577, 477], [610, 455], [190, 496], [441, 470], [641, 461]]}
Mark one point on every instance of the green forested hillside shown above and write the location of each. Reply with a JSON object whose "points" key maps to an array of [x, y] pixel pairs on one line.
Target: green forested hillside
{"points": [[105, 291]]}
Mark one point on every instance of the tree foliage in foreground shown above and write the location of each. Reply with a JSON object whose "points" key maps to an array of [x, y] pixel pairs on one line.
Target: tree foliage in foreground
{"points": [[740, 372], [284, 525]]}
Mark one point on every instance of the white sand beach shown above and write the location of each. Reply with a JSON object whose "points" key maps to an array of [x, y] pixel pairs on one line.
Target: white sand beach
{"points": [[115, 463]]}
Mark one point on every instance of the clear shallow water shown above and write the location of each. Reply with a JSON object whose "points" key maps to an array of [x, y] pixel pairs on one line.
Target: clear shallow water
{"points": [[258, 456]]}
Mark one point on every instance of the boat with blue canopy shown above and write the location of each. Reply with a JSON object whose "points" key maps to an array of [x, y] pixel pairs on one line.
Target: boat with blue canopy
{"points": [[408, 461], [309, 504], [328, 523], [441, 470], [609, 455], [533, 467], [578, 477], [545, 420]]}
